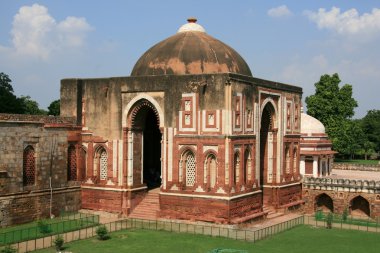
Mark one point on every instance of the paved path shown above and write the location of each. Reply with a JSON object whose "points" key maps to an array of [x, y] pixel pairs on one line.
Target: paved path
{"points": [[355, 174]]}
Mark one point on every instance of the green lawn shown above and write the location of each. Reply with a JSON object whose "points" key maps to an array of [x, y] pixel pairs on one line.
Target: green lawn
{"points": [[58, 225], [365, 162], [300, 239]]}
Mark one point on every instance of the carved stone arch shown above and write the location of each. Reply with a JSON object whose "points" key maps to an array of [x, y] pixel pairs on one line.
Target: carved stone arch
{"points": [[100, 161], [268, 149], [269, 106], [187, 167], [142, 103], [248, 162], [71, 163], [82, 165], [210, 170], [237, 164], [29, 166], [295, 159], [143, 121], [135, 102]]}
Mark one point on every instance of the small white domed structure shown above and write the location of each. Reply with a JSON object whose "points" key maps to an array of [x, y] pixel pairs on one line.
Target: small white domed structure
{"points": [[310, 125], [316, 154]]}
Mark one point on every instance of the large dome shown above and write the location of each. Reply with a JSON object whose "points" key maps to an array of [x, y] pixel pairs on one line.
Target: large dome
{"points": [[190, 51]]}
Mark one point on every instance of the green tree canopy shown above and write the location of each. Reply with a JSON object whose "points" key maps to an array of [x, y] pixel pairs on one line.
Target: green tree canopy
{"points": [[30, 106], [54, 108], [331, 103], [371, 127], [9, 103], [334, 106]]}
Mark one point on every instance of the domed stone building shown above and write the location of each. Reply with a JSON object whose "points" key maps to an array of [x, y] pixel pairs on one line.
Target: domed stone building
{"points": [[192, 124], [317, 155]]}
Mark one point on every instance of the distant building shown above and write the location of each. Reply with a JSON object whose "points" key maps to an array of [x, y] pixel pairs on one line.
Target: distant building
{"points": [[317, 156]]}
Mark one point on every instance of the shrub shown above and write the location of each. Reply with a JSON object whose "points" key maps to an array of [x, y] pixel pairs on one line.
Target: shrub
{"points": [[102, 233], [329, 220], [43, 227], [58, 242], [345, 214], [8, 249], [319, 215]]}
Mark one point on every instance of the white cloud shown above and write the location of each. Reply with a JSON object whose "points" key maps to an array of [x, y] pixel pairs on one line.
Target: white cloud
{"points": [[35, 33], [280, 11], [346, 23]]}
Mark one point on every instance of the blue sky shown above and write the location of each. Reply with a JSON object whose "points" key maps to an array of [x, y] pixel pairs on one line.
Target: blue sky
{"points": [[293, 42]]}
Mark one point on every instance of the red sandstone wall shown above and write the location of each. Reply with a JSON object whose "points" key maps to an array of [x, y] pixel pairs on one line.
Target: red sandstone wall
{"points": [[213, 210], [102, 200], [27, 207]]}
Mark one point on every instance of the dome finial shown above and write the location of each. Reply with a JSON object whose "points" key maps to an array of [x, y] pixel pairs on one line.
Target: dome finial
{"points": [[192, 20], [191, 26]]}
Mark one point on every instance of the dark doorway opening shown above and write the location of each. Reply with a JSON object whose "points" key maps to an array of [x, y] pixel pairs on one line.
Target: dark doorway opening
{"points": [[266, 127], [151, 150], [360, 207], [324, 203]]}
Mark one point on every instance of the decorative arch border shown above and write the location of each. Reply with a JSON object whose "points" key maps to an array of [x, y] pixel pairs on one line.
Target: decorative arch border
{"points": [[183, 151], [266, 101], [136, 104], [98, 147]]}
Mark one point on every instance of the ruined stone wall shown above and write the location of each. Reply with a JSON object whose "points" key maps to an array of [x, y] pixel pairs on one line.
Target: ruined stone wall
{"points": [[342, 192], [48, 136], [50, 147], [29, 206]]}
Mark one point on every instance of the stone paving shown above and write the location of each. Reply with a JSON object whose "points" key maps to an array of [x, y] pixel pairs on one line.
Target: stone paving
{"points": [[355, 174]]}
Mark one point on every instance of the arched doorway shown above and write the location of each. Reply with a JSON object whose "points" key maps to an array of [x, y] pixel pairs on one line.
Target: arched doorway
{"points": [[360, 207], [268, 137], [324, 203], [146, 144]]}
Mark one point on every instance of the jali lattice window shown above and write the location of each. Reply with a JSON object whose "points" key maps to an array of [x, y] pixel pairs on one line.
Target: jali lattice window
{"points": [[190, 169], [237, 168], [29, 166], [295, 164], [210, 169], [71, 164], [103, 165], [247, 166], [287, 160]]}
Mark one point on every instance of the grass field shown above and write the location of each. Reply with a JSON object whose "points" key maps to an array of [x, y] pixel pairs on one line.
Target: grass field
{"points": [[365, 162], [298, 240], [58, 225]]}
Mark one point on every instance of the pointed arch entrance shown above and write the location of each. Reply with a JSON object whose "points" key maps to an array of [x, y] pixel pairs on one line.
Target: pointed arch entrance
{"points": [[324, 202], [144, 124], [268, 143], [360, 207]]}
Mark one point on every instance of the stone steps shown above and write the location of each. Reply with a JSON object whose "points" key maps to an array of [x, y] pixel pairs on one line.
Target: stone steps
{"points": [[271, 212], [148, 207]]}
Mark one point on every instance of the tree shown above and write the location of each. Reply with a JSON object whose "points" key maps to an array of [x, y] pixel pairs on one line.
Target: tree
{"points": [[347, 137], [9, 103], [334, 107], [54, 108], [371, 128], [331, 103], [30, 106]]}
